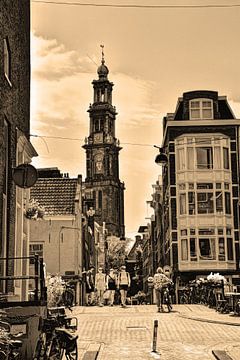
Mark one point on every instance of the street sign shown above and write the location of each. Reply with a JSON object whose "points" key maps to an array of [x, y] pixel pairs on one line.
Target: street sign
{"points": [[25, 175]]}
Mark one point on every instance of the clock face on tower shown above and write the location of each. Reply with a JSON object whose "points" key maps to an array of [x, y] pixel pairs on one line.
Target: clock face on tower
{"points": [[98, 138]]}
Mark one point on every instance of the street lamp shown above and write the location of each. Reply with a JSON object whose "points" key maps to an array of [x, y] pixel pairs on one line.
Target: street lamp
{"points": [[161, 158]]}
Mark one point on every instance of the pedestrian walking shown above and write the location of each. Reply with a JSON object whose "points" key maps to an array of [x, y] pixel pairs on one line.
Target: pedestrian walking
{"points": [[90, 286], [111, 285], [100, 285], [124, 283], [160, 280]]}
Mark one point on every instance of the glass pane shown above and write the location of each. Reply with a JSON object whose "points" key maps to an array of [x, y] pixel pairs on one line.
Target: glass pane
{"points": [[206, 104], [193, 252], [195, 114], [217, 157], [221, 249], [227, 203], [191, 203], [194, 104], [205, 249], [184, 249], [230, 248], [225, 158], [204, 158], [213, 248], [190, 158], [181, 159], [219, 201], [207, 114], [182, 204], [205, 203]]}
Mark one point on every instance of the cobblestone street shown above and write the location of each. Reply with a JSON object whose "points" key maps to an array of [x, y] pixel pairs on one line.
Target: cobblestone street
{"points": [[190, 332]]}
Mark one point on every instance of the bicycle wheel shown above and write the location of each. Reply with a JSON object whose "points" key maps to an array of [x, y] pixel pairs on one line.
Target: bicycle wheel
{"points": [[72, 352], [40, 351], [68, 298], [55, 352]]}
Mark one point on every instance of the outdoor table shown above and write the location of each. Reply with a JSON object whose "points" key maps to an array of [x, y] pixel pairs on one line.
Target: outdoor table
{"points": [[234, 297]]}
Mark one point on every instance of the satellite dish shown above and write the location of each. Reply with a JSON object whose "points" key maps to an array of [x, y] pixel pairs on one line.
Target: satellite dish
{"points": [[25, 175]]}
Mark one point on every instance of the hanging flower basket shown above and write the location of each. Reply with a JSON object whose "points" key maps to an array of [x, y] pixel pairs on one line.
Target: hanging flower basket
{"points": [[34, 210]]}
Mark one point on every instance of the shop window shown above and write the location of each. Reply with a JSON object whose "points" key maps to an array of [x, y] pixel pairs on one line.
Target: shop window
{"points": [[221, 249], [225, 158], [207, 249], [204, 158], [193, 249], [182, 204], [184, 249], [205, 203], [230, 248]]}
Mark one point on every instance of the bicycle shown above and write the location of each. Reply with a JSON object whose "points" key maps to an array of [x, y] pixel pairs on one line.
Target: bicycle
{"points": [[67, 297], [167, 298], [9, 345], [55, 339]]}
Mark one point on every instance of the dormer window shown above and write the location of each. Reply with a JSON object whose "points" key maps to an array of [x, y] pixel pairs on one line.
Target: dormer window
{"points": [[201, 109]]}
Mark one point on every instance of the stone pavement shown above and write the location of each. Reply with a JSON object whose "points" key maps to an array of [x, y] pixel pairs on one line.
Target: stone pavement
{"points": [[190, 332]]}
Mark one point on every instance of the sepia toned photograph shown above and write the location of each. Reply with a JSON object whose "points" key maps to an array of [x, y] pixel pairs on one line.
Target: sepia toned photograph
{"points": [[119, 180]]}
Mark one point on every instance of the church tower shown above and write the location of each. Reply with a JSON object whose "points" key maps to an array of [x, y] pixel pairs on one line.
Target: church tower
{"points": [[102, 183]]}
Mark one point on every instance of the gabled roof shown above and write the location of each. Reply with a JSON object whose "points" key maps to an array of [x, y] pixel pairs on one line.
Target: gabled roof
{"points": [[57, 195]]}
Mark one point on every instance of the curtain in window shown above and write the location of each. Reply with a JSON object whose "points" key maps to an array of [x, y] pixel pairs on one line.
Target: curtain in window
{"points": [[182, 204], [184, 249], [190, 158], [217, 157], [181, 159]]}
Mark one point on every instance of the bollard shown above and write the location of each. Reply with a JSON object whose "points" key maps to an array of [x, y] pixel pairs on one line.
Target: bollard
{"points": [[155, 329]]}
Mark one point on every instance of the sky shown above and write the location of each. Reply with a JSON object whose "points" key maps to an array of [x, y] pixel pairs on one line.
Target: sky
{"points": [[153, 56]]}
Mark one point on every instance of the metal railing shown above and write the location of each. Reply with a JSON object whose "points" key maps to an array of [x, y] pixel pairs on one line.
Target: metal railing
{"points": [[33, 264]]}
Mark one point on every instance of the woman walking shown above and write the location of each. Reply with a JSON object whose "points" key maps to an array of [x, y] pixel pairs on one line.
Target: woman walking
{"points": [[160, 280], [124, 283], [100, 285], [111, 285]]}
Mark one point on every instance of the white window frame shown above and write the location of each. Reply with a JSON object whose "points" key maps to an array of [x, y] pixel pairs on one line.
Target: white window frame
{"points": [[200, 108], [7, 60]]}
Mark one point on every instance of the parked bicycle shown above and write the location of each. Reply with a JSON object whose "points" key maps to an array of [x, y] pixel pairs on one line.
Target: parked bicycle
{"points": [[56, 339], [67, 297], [9, 345]]}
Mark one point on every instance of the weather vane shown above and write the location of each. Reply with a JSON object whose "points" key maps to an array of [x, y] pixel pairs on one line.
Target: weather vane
{"points": [[103, 61]]}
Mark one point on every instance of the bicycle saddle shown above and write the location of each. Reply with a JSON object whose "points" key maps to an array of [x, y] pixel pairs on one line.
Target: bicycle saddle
{"points": [[66, 333], [16, 344]]}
